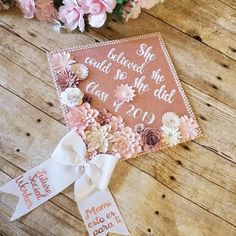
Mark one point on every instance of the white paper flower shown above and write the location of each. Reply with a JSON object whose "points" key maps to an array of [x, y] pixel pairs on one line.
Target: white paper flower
{"points": [[62, 61], [80, 70], [124, 93], [72, 97], [170, 136], [99, 138], [170, 120]]}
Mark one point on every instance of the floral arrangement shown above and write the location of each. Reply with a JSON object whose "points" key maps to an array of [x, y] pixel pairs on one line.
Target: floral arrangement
{"points": [[103, 132], [79, 14]]}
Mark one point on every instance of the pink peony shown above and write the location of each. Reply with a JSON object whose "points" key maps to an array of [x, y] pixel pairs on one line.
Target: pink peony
{"points": [[127, 143], [188, 128], [81, 117], [45, 10], [151, 139], [72, 14], [28, 8], [97, 11]]}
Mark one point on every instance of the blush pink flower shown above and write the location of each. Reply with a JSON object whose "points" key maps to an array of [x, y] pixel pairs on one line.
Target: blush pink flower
{"points": [[188, 128], [72, 14], [81, 117], [45, 10], [28, 8], [127, 143], [62, 61], [97, 10]]}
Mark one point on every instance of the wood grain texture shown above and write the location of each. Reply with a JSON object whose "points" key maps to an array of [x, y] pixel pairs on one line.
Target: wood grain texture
{"points": [[186, 190]]}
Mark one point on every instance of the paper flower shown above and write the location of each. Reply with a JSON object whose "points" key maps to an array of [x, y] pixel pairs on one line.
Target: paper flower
{"points": [[104, 117], [170, 136], [28, 8], [67, 79], [150, 139], [124, 93], [116, 123], [188, 128], [99, 138], [72, 97], [81, 117], [97, 10], [171, 120], [80, 70], [45, 10], [127, 143], [139, 128], [62, 61], [72, 15]]}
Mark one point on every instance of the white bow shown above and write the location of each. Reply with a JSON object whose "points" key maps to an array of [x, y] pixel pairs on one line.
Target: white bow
{"points": [[66, 166], [92, 175]]}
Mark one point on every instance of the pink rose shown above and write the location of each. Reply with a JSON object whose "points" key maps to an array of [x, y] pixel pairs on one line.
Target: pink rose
{"points": [[45, 10], [97, 10], [72, 15], [151, 139], [28, 8]]}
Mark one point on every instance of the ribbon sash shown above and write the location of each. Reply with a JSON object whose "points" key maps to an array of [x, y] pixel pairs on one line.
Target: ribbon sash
{"points": [[67, 165]]}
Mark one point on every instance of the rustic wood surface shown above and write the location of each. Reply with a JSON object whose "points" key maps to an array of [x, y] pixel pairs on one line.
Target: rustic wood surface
{"points": [[188, 190]]}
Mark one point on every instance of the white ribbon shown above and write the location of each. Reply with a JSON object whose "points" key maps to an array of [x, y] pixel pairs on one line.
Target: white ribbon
{"points": [[67, 165]]}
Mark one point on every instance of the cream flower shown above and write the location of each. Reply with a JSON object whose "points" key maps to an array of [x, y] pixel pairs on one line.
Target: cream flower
{"points": [[124, 93], [80, 70], [188, 128], [170, 120], [62, 61], [99, 138], [127, 143], [171, 136], [72, 97]]}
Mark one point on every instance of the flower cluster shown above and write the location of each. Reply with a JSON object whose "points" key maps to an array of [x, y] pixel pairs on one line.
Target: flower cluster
{"points": [[103, 132], [69, 73], [176, 129], [79, 14]]}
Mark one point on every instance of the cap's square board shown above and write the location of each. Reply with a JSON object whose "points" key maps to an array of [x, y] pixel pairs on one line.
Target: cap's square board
{"points": [[141, 62]]}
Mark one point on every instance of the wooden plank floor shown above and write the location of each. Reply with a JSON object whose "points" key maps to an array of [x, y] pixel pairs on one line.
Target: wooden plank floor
{"points": [[188, 190]]}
